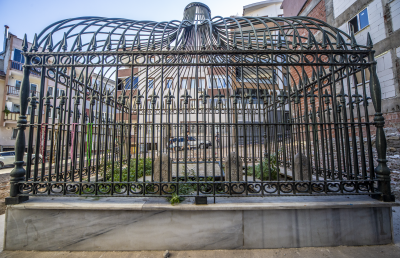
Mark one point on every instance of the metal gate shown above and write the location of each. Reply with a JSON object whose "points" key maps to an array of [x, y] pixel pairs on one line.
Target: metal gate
{"points": [[240, 106]]}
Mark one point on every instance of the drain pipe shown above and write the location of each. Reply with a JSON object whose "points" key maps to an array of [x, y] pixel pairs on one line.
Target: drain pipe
{"points": [[5, 40]]}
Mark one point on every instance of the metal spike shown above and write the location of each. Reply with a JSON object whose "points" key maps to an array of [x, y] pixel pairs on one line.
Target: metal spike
{"points": [[64, 45], [294, 40], [324, 43], [339, 40], [265, 40], [50, 42], [93, 43], [24, 44], [138, 41], [249, 43], [279, 45], [35, 44], [108, 42], [353, 40], [153, 44], [79, 43], [122, 42], [369, 41], [168, 43], [309, 41]]}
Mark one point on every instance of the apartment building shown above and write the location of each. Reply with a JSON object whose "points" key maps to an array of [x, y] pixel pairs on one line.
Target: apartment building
{"points": [[11, 75], [379, 18]]}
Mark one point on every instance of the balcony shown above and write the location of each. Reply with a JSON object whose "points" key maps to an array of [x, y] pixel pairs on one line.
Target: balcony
{"points": [[12, 90], [18, 66], [12, 116]]}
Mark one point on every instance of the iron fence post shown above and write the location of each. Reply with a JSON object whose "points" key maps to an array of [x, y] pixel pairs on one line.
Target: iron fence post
{"points": [[18, 173], [382, 172]]}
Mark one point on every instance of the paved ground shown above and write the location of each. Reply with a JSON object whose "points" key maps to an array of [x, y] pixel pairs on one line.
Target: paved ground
{"points": [[386, 251]]}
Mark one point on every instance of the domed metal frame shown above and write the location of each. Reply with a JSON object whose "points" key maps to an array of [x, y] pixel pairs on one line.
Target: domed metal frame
{"points": [[316, 64]]}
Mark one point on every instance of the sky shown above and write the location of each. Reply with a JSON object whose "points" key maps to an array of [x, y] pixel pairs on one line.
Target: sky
{"points": [[30, 17]]}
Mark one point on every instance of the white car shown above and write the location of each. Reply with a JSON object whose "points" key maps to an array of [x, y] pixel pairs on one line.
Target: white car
{"points": [[192, 142], [8, 158]]}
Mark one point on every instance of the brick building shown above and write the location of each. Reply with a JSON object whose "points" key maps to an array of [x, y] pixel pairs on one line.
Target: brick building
{"points": [[380, 18]]}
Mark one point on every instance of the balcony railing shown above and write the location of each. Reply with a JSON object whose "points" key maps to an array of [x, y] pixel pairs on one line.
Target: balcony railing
{"points": [[18, 66], [13, 90], [13, 116]]}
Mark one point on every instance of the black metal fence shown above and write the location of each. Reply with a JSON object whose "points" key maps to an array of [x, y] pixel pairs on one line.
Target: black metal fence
{"points": [[217, 107]]}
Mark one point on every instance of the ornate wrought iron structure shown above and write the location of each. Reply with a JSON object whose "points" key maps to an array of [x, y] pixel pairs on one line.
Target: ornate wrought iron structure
{"points": [[222, 106]]}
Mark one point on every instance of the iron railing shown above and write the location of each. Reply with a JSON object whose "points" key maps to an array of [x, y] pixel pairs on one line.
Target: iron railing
{"points": [[224, 126], [19, 66], [13, 90]]}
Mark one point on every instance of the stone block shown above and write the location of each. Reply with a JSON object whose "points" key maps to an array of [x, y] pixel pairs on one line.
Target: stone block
{"points": [[301, 167], [166, 166], [236, 167]]}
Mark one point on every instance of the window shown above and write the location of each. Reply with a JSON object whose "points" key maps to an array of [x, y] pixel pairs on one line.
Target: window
{"points": [[151, 84], [128, 83], [193, 83], [219, 83], [50, 90], [169, 83], [184, 83], [359, 22], [33, 87], [60, 92], [49, 135], [18, 56], [14, 133], [29, 110], [17, 85], [15, 108], [202, 84]]}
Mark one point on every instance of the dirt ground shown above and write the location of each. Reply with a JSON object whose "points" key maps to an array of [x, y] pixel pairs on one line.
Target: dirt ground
{"points": [[4, 191]]}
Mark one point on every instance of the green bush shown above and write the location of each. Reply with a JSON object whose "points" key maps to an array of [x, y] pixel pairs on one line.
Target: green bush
{"points": [[132, 176], [266, 168]]}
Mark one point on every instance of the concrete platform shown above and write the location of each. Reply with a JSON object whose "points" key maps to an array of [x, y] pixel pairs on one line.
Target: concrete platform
{"points": [[108, 224]]}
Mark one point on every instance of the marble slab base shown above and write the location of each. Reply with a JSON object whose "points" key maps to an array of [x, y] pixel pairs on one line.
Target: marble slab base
{"points": [[85, 225]]}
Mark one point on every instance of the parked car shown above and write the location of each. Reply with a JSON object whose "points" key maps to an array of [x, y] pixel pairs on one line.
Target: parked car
{"points": [[8, 158], [179, 143]]}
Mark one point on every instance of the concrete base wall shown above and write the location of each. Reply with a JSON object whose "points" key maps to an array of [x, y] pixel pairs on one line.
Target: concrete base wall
{"points": [[88, 225]]}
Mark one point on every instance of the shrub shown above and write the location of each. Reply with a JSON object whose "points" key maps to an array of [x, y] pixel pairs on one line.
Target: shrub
{"points": [[266, 168]]}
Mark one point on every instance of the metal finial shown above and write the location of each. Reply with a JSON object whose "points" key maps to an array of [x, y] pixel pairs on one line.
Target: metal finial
{"points": [[325, 42], [309, 41], [24, 44], [122, 42], [279, 45], [35, 44], [108, 42], [93, 43], [369, 41], [249, 43], [353, 40], [79, 42], [294, 40], [49, 45], [339, 41], [64, 45]]}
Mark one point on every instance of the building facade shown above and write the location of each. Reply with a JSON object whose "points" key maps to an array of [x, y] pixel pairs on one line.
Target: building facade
{"points": [[379, 18]]}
